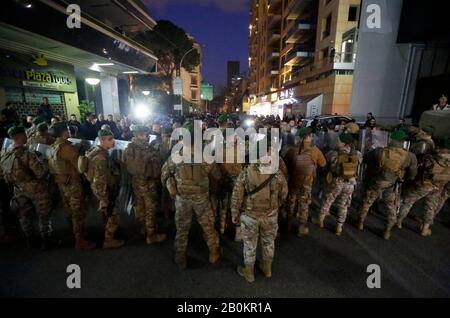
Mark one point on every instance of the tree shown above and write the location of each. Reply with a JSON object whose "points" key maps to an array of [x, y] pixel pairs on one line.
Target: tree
{"points": [[169, 43]]}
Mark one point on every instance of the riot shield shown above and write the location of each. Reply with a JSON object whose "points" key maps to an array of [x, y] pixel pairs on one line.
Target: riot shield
{"points": [[82, 145], [7, 143], [373, 139], [41, 149], [123, 199], [326, 141]]}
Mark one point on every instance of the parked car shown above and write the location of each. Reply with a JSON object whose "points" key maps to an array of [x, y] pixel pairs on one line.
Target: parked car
{"points": [[337, 119]]}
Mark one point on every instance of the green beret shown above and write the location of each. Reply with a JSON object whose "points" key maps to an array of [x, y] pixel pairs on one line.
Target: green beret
{"points": [[222, 119], [37, 120], [42, 127], [302, 133], [189, 126], [398, 135], [104, 133], [428, 130], [346, 138], [15, 130], [139, 129]]}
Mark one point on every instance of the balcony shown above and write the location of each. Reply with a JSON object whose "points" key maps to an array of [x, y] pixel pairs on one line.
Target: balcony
{"points": [[274, 54], [274, 38], [274, 20], [298, 8], [298, 54], [303, 30]]}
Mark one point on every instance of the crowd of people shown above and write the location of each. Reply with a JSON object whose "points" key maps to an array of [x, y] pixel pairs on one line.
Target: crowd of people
{"points": [[228, 195]]}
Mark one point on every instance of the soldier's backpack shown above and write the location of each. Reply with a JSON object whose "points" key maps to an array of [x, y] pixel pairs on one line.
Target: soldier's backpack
{"points": [[393, 160], [13, 169], [55, 165], [84, 164], [441, 168], [304, 164], [147, 166], [348, 165], [261, 192]]}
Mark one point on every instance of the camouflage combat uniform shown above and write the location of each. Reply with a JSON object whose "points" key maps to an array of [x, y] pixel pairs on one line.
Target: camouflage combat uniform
{"points": [[63, 164], [343, 184], [104, 177], [230, 172], [259, 220], [143, 164], [390, 163], [430, 185], [302, 165], [41, 138], [189, 183], [27, 173]]}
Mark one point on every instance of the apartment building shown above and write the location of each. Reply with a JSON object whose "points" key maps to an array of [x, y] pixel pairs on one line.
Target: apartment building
{"points": [[302, 56], [192, 85]]}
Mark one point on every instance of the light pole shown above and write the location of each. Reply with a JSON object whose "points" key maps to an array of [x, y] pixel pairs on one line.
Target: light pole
{"points": [[181, 63]]}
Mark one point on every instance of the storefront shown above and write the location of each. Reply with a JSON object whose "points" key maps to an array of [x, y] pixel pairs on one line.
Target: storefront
{"points": [[25, 80]]}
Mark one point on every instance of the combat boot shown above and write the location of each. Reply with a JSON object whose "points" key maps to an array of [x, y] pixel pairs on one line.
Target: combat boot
{"points": [[248, 272], [82, 244], [266, 268], [387, 233], [425, 230], [303, 230], [112, 243], [238, 234], [156, 238], [215, 255], [321, 220], [180, 260], [339, 227]]}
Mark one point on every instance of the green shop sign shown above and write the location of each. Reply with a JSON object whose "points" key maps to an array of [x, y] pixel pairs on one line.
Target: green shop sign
{"points": [[18, 70]]}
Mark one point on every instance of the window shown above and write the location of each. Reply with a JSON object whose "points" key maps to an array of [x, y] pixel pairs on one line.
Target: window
{"points": [[326, 27], [353, 14], [194, 94]]}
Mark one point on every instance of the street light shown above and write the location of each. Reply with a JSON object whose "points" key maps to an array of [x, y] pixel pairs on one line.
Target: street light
{"points": [[181, 65]]}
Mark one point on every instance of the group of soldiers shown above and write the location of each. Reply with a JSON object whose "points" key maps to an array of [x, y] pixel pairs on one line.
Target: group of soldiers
{"points": [[226, 193]]}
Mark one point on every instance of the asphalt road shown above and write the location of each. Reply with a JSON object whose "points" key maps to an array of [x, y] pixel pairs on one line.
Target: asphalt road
{"points": [[321, 265]]}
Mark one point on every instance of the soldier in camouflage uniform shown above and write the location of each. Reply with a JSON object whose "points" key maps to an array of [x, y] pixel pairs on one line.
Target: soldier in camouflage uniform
{"points": [[26, 173], [433, 177], [188, 184], [33, 129], [390, 164], [104, 177], [260, 196], [343, 166], [421, 140], [302, 163], [143, 164], [42, 136], [63, 164]]}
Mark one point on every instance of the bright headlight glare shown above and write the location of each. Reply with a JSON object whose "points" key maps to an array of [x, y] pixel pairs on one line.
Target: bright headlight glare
{"points": [[249, 122], [141, 111]]}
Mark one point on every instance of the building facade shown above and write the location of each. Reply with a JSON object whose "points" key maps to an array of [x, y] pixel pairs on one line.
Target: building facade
{"points": [[302, 55], [68, 64], [233, 69]]}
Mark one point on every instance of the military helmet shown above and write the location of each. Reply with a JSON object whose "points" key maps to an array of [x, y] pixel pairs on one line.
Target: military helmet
{"points": [[139, 129], [15, 130], [398, 135], [346, 138], [37, 120], [302, 133], [42, 127], [104, 133]]}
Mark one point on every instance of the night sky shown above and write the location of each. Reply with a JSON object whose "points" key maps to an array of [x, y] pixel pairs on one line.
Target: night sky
{"points": [[220, 25]]}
